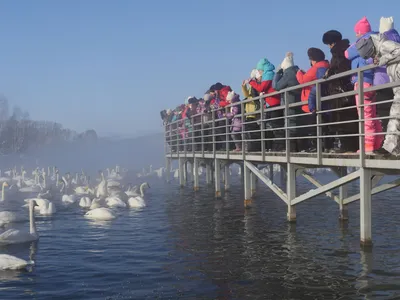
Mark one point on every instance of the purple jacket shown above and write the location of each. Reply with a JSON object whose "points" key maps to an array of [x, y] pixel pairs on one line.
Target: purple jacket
{"points": [[236, 123], [380, 76], [357, 62]]}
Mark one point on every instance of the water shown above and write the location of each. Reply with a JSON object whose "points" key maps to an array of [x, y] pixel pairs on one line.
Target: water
{"points": [[187, 245]]}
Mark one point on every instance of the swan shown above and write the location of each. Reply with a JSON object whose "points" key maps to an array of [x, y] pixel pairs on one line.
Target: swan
{"points": [[95, 203], [101, 214], [9, 262], [132, 191], [15, 236], [85, 202], [48, 209], [115, 202], [102, 187], [113, 183], [136, 202], [3, 192], [39, 203], [10, 217]]}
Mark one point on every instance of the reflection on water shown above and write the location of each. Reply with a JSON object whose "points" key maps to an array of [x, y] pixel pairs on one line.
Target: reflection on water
{"points": [[187, 245]]}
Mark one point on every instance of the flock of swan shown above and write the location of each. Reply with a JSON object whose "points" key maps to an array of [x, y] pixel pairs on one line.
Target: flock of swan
{"points": [[51, 192]]}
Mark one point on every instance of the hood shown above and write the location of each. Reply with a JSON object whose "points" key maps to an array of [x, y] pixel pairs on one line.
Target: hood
{"points": [[340, 46], [392, 35], [322, 64]]}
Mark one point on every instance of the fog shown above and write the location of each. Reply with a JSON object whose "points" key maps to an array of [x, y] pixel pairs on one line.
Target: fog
{"points": [[133, 154]]}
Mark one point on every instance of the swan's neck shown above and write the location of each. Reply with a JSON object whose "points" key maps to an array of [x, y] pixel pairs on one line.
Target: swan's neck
{"points": [[23, 175], [57, 179], [44, 181], [62, 187], [142, 189], [48, 170], [3, 193], [32, 223]]}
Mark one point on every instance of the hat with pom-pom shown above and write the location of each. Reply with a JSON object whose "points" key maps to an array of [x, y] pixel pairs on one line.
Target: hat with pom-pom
{"points": [[363, 26], [386, 24], [287, 61], [254, 73]]}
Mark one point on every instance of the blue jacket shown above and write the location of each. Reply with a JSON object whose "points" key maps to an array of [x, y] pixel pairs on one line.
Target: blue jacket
{"points": [[357, 62], [312, 98]]}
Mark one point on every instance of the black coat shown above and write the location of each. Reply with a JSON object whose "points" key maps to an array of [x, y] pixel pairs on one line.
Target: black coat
{"points": [[339, 64]]}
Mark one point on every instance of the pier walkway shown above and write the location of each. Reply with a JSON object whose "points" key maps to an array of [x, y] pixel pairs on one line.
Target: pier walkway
{"points": [[206, 142]]}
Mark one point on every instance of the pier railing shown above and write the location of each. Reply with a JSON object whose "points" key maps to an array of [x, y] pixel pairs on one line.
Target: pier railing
{"points": [[207, 136]]}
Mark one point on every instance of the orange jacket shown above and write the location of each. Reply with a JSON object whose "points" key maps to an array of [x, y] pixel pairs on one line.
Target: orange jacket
{"points": [[309, 76]]}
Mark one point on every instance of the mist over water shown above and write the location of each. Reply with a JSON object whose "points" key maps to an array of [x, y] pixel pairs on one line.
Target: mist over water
{"points": [[187, 245]]}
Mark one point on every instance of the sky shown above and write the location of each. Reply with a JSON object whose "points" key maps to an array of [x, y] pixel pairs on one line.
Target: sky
{"points": [[114, 65]]}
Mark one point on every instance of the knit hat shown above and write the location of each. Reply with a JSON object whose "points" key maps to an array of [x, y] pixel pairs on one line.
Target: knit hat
{"points": [[331, 37], [169, 111], [232, 96], [362, 26], [386, 24], [287, 61], [188, 98], [207, 97], [316, 54], [254, 73], [267, 68], [366, 48]]}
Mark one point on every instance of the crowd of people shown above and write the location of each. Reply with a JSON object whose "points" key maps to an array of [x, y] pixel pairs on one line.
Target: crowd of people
{"points": [[191, 120]]}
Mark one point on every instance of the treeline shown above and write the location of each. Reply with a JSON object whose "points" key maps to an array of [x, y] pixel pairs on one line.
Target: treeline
{"points": [[18, 132]]}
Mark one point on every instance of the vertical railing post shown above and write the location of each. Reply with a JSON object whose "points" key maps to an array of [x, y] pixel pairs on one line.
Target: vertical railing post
{"points": [[262, 129], [291, 192], [178, 140], [287, 133], [365, 207], [202, 133], [243, 113], [247, 186], [196, 174], [227, 131], [193, 134], [227, 177], [217, 174], [213, 132], [361, 118], [319, 123]]}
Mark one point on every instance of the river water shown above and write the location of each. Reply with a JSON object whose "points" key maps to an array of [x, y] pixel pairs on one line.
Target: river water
{"points": [[187, 245]]}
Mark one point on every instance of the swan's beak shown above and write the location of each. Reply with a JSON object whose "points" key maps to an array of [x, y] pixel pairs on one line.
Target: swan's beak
{"points": [[148, 185]]}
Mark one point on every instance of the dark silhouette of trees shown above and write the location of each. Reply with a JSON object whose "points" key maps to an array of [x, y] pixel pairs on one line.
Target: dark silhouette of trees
{"points": [[18, 132]]}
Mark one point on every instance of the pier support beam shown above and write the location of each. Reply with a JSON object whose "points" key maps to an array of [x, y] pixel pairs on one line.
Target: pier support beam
{"points": [[217, 170], [196, 174], [291, 192], [247, 186], [343, 191], [365, 207], [208, 174], [253, 182], [181, 172], [227, 177], [168, 170]]}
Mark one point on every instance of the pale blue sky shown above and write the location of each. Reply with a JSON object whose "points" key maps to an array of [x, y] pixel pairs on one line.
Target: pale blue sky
{"points": [[113, 65]]}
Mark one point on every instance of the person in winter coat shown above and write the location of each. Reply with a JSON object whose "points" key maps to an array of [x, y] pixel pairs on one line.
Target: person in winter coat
{"points": [[319, 66], [386, 52], [285, 77], [371, 127], [266, 69], [265, 87], [236, 123], [386, 27], [252, 117], [339, 64], [219, 92]]}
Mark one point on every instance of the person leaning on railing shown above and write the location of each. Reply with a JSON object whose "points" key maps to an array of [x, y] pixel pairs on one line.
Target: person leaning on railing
{"points": [[285, 77], [386, 53], [252, 117], [266, 70], [318, 69], [339, 64]]}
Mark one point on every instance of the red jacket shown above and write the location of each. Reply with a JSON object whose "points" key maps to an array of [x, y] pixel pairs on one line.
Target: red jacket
{"points": [[266, 88], [222, 95], [310, 75]]}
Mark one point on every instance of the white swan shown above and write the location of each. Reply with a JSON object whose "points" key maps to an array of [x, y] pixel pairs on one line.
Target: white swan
{"points": [[9, 262], [3, 192], [102, 187], [15, 236], [132, 191], [48, 209], [10, 217], [101, 214], [85, 202], [96, 203], [39, 203], [136, 202], [115, 202]]}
